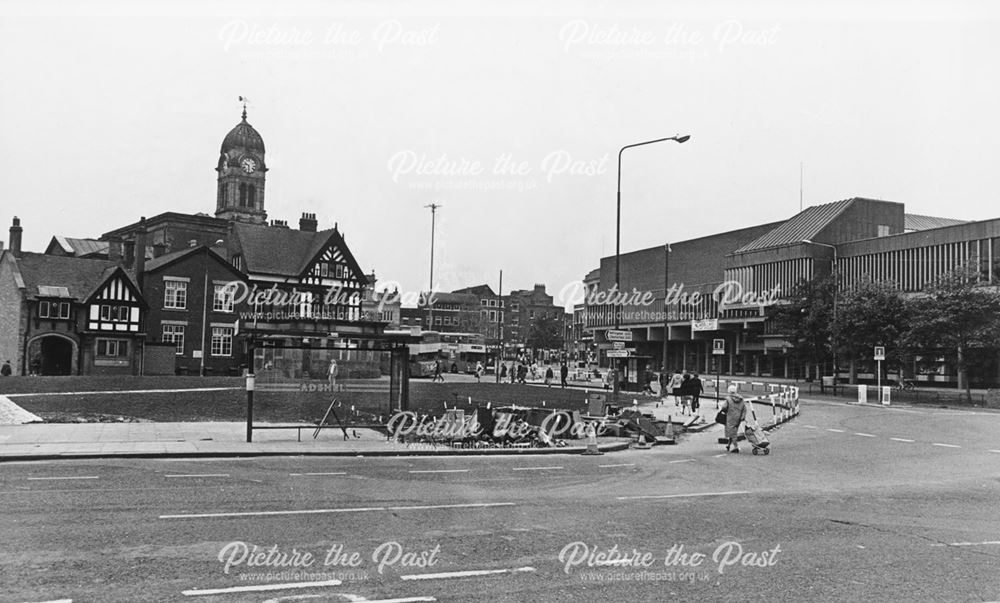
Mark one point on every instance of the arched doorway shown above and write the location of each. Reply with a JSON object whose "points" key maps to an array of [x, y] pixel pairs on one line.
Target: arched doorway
{"points": [[50, 355]]}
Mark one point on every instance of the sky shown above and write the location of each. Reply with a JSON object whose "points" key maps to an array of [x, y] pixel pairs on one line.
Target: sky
{"points": [[509, 115]]}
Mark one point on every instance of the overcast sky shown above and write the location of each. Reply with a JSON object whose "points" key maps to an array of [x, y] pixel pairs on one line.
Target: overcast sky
{"points": [[508, 114]]}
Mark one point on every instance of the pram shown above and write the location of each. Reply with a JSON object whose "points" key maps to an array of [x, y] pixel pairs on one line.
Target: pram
{"points": [[755, 435]]}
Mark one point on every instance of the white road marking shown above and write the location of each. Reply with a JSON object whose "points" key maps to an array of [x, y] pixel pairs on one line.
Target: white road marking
{"points": [[465, 574], [455, 506], [988, 542], [324, 511], [684, 495], [534, 468], [835, 430], [38, 479], [810, 427], [945, 445], [439, 471], [330, 473], [200, 475], [681, 461], [864, 435], [901, 440], [723, 454], [57, 601], [358, 599], [195, 592], [998, 451], [619, 465]]}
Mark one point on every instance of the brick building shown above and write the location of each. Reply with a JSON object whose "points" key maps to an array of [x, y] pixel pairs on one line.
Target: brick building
{"points": [[63, 315]]}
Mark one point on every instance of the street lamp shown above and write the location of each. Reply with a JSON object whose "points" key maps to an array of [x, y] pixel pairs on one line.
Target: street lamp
{"points": [[618, 233], [666, 285], [833, 273]]}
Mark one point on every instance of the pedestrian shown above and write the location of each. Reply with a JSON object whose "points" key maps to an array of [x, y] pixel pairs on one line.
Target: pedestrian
{"points": [[665, 378], [697, 389], [675, 385], [331, 374], [647, 381], [685, 390], [564, 374], [5, 370], [522, 373], [736, 413], [548, 376], [503, 371], [479, 372], [437, 371]]}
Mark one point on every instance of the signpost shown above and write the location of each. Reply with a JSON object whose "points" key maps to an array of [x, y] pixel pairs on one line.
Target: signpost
{"points": [[718, 349], [879, 357], [618, 345], [613, 335]]}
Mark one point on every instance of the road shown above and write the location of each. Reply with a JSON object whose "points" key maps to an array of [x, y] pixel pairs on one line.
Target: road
{"points": [[854, 503]]}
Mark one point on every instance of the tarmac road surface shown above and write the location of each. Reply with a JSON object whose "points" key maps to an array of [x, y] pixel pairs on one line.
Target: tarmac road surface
{"points": [[855, 503]]}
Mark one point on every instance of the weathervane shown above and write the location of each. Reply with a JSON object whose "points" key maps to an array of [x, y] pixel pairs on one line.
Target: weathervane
{"points": [[244, 100]]}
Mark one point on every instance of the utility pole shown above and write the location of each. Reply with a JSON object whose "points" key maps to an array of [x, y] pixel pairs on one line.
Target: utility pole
{"points": [[500, 308], [430, 308]]}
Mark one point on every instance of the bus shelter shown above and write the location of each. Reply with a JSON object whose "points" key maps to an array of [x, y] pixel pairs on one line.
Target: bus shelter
{"points": [[338, 380]]}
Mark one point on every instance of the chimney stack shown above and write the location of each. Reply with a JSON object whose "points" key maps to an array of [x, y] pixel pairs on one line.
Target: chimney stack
{"points": [[115, 249], [15, 237], [140, 251], [308, 222]]}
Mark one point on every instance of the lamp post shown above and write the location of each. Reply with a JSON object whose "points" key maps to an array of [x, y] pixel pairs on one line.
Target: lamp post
{"points": [[618, 235], [430, 307], [833, 273], [666, 289]]}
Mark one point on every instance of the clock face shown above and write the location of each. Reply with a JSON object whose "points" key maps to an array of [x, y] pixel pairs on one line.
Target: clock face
{"points": [[248, 165]]}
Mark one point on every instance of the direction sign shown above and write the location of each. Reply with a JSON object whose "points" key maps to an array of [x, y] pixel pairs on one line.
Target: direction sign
{"points": [[618, 353], [879, 352], [719, 347], [613, 335], [618, 345]]}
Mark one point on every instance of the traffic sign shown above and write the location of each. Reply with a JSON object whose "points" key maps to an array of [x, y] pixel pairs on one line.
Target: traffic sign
{"points": [[613, 335], [879, 352], [618, 345], [719, 347], [620, 353]]}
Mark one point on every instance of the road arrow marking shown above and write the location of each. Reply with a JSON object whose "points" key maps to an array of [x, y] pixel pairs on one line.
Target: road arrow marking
{"points": [[196, 592]]}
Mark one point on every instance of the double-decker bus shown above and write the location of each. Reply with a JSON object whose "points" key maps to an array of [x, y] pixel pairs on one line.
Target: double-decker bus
{"points": [[457, 353]]}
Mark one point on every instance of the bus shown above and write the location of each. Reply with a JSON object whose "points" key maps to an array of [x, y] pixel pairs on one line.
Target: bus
{"points": [[457, 353]]}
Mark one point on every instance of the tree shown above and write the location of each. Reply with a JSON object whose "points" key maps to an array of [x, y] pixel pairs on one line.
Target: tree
{"points": [[871, 314], [959, 317], [805, 319], [545, 333]]}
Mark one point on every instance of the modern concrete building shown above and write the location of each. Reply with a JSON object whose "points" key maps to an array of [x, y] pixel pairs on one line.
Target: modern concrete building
{"points": [[720, 286]]}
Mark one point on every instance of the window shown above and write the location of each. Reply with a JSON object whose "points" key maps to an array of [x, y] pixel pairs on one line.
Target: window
{"points": [[224, 298], [883, 230], [110, 313], [243, 194], [222, 341], [175, 295], [53, 309], [340, 271], [324, 269], [238, 262], [112, 348], [437, 320], [174, 334]]}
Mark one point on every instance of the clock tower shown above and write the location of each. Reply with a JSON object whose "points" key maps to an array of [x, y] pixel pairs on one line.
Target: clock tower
{"points": [[241, 170]]}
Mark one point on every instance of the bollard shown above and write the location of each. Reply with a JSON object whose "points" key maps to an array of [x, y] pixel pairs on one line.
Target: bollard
{"points": [[670, 427]]}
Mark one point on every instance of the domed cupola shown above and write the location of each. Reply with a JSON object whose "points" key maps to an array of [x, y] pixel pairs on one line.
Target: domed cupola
{"points": [[241, 170]]}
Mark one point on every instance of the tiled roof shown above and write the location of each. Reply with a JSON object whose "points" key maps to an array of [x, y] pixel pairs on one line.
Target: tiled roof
{"points": [[804, 225], [80, 276], [80, 247], [168, 258], [287, 252], [918, 222]]}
